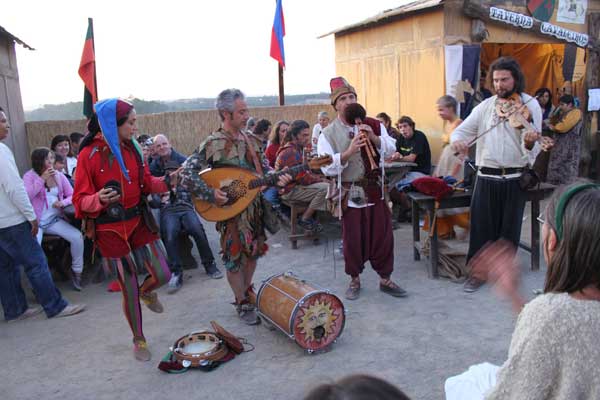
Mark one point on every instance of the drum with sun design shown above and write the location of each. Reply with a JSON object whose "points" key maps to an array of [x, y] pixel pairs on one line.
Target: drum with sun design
{"points": [[310, 315]]}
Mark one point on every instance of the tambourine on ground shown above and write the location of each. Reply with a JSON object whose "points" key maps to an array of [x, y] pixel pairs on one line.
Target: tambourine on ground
{"points": [[311, 316], [205, 349]]}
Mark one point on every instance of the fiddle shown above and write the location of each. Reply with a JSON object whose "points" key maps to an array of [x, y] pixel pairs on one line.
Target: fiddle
{"points": [[513, 109]]}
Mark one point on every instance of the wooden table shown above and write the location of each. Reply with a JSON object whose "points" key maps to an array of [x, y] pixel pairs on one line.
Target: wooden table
{"points": [[424, 202]]}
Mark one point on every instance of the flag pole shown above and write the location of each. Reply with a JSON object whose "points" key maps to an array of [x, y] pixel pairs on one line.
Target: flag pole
{"points": [[281, 91], [91, 22]]}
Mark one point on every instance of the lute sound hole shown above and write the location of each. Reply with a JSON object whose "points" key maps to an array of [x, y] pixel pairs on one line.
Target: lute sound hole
{"points": [[235, 191]]}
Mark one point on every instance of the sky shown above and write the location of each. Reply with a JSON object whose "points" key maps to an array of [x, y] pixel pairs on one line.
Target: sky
{"points": [[174, 49]]}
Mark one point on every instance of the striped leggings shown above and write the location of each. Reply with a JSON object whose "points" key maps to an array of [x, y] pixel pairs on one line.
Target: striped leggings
{"points": [[153, 256]]}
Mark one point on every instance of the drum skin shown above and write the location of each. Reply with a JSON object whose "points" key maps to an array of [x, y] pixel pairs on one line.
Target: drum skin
{"points": [[313, 318]]}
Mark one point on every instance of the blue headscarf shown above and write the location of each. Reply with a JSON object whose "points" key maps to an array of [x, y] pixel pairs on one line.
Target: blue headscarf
{"points": [[107, 118]]}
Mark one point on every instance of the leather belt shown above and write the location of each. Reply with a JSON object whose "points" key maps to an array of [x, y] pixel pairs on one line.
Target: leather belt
{"points": [[130, 213], [500, 171]]}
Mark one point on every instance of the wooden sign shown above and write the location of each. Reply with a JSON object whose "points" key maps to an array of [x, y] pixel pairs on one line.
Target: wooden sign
{"points": [[474, 9]]}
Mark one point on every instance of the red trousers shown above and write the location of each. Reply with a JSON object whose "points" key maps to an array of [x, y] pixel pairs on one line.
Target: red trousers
{"points": [[368, 236]]}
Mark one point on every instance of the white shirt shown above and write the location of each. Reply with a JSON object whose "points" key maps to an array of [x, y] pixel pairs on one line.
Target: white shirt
{"points": [[503, 146], [388, 146], [49, 213], [71, 164], [15, 206], [317, 129]]}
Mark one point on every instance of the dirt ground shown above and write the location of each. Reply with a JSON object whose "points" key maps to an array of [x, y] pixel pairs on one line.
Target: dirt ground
{"points": [[415, 342]]}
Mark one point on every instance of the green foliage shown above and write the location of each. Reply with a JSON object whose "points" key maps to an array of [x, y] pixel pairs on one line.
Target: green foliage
{"points": [[74, 110]]}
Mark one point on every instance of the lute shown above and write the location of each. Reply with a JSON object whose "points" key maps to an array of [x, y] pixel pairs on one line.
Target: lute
{"points": [[242, 186]]}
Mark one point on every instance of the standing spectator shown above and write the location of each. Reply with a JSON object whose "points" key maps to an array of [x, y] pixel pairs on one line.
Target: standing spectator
{"points": [[387, 123], [75, 138], [450, 165], [61, 144], [544, 98], [563, 166], [322, 122], [18, 229], [49, 192], [276, 141]]}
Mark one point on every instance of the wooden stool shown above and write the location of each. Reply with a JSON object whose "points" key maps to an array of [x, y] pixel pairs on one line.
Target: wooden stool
{"points": [[295, 209], [58, 254]]}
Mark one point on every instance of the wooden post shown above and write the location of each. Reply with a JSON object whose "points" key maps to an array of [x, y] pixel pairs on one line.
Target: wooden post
{"points": [[281, 92], [592, 80]]}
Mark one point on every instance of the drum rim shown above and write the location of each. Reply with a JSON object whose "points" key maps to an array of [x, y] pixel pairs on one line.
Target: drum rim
{"points": [[294, 313]]}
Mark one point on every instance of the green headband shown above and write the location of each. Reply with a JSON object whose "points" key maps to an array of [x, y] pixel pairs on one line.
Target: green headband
{"points": [[564, 200]]}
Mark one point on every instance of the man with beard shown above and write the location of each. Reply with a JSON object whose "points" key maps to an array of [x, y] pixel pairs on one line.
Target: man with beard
{"points": [[498, 201], [366, 222]]}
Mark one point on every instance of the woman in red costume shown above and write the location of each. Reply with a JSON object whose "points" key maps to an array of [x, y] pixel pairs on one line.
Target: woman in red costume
{"points": [[111, 179]]}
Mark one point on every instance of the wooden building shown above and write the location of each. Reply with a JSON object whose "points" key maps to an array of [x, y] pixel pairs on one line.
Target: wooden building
{"points": [[402, 60], [10, 98]]}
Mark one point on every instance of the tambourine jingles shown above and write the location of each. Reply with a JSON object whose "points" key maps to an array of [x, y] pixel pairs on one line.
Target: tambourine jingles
{"points": [[199, 348]]}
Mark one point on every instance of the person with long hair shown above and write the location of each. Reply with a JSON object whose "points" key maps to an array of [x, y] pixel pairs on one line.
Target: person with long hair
{"points": [[61, 144], [50, 192], [498, 201], [112, 178], [544, 98], [276, 141], [554, 352]]}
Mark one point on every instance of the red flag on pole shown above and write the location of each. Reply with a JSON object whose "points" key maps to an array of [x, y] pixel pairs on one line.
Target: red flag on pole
{"points": [[87, 71]]}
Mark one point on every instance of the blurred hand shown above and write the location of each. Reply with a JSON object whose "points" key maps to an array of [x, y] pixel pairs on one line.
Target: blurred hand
{"points": [[220, 197], [284, 180], [357, 142], [497, 264], [546, 143], [108, 195], [47, 174], [34, 227], [460, 146], [174, 177], [530, 137], [58, 204]]}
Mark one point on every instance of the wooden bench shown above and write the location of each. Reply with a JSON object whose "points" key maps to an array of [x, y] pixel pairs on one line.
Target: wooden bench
{"points": [[424, 202], [295, 209], [58, 254]]}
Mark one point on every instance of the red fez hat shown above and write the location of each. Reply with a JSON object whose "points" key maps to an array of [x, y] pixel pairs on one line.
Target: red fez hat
{"points": [[339, 86]]}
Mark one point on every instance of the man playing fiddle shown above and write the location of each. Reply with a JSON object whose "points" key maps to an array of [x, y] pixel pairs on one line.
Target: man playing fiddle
{"points": [[498, 201], [366, 222]]}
